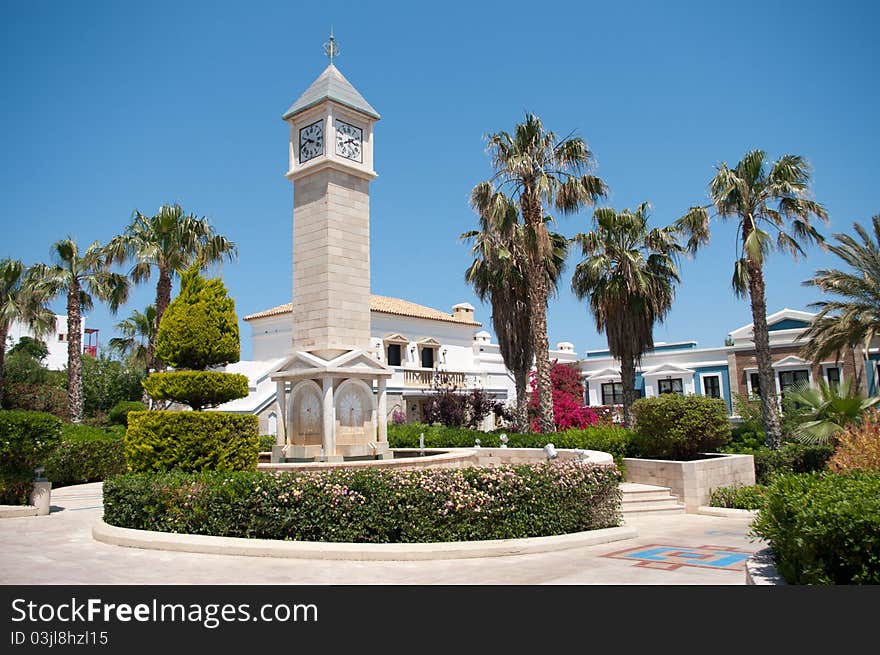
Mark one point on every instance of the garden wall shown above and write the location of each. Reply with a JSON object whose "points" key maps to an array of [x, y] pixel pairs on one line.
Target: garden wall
{"points": [[692, 481]]}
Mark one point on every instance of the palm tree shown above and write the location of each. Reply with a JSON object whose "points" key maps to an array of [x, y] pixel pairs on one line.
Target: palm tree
{"points": [[629, 273], [171, 242], [853, 318], [499, 273], [83, 277], [746, 193], [138, 331], [534, 168], [826, 411], [20, 302]]}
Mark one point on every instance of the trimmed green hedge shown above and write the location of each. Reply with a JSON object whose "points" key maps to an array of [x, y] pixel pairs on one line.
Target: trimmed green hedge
{"points": [[790, 458], [25, 440], [118, 415], [609, 439], [741, 497], [677, 427], [371, 505], [198, 389], [86, 454], [191, 441], [267, 441], [823, 528]]}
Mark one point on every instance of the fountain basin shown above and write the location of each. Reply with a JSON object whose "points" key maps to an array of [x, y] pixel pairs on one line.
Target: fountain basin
{"points": [[415, 458]]}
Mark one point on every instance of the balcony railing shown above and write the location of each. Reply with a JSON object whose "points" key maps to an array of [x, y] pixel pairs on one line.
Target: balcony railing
{"points": [[425, 378]]}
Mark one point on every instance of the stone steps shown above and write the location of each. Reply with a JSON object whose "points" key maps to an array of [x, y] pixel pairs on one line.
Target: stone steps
{"points": [[648, 500]]}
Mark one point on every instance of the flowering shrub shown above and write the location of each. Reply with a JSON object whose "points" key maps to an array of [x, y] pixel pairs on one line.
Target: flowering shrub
{"points": [[568, 399], [398, 417], [371, 505], [858, 447]]}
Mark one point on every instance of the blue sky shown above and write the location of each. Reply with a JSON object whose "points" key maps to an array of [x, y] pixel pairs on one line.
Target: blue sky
{"points": [[115, 106]]}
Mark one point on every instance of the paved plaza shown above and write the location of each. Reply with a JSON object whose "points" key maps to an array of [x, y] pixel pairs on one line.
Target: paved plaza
{"points": [[669, 550]]}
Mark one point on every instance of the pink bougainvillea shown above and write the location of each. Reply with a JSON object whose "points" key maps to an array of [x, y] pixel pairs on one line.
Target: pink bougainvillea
{"points": [[568, 399]]}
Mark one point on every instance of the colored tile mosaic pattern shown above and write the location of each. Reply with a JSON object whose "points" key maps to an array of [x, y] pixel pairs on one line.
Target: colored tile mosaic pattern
{"points": [[670, 558]]}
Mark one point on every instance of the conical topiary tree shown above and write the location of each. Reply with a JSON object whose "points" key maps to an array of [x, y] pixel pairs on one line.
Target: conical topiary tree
{"points": [[199, 330]]}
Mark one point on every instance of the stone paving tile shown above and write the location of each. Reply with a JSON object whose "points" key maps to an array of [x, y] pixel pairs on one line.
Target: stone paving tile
{"points": [[59, 549]]}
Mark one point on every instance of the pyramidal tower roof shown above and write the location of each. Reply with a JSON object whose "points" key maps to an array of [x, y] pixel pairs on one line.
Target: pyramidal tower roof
{"points": [[331, 85]]}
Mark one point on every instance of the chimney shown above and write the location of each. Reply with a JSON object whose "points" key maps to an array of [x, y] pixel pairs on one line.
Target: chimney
{"points": [[565, 347], [464, 312]]}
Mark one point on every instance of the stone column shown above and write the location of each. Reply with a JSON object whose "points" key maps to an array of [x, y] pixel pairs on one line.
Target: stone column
{"points": [[382, 417], [281, 426], [328, 433]]}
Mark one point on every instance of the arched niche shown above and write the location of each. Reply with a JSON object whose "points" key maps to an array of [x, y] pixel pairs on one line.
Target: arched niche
{"points": [[355, 413], [304, 414]]}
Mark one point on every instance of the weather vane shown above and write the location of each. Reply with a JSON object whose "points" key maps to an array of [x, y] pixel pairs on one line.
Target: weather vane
{"points": [[330, 48]]}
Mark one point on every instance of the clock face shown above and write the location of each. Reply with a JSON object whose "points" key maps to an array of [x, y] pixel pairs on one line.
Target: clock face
{"points": [[349, 141], [311, 141]]}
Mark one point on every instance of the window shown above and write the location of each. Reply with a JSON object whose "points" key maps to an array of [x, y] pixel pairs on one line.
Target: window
{"points": [[673, 385], [427, 358], [756, 384], [612, 393], [789, 379], [272, 423], [394, 354], [586, 393], [832, 374], [712, 386], [61, 336]]}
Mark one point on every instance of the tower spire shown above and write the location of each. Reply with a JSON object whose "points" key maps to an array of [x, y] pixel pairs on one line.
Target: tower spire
{"points": [[330, 48]]}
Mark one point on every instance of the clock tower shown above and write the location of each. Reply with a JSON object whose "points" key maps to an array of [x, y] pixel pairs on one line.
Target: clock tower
{"points": [[330, 372], [331, 167]]}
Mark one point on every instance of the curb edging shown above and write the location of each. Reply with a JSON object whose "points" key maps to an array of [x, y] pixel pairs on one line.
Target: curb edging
{"points": [[761, 569], [727, 512], [191, 543], [15, 511]]}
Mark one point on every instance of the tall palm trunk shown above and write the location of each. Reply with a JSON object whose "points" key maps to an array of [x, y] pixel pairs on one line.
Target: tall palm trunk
{"points": [[74, 355], [521, 420], [769, 408], [628, 381], [538, 302], [163, 299], [538, 292], [857, 372], [4, 331]]}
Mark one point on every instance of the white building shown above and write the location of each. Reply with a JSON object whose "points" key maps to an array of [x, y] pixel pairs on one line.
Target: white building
{"points": [[56, 341], [416, 341]]}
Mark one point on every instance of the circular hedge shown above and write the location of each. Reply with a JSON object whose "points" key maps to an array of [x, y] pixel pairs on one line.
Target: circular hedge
{"points": [[371, 505]]}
